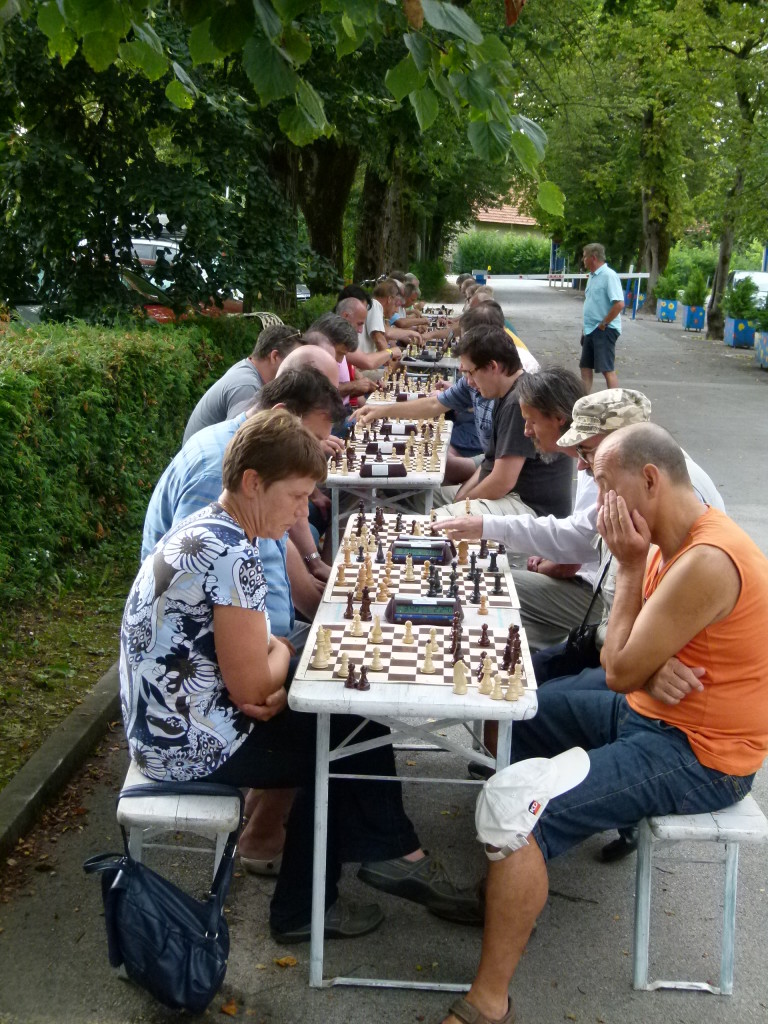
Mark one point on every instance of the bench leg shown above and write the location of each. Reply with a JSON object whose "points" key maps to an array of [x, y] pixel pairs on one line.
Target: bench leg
{"points": [[221, 842], [642, 906], [729, 918], [135, 842]]}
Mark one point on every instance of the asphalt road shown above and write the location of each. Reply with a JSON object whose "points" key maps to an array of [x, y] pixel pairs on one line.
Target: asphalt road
{"points": [[53, 963]]}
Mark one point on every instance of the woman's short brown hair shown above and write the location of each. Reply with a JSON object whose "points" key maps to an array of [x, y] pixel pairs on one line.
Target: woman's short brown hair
{"points": [[275, 444]]}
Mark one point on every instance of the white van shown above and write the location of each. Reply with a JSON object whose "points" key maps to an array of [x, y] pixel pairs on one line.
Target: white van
{"points": [[760, 278]]}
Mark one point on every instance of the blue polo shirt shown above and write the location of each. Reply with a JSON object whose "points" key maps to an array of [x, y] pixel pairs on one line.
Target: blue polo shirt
{"points": [[461, 398], [603, 289], [192, 481]]}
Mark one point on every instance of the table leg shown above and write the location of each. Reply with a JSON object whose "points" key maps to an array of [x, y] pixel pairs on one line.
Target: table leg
{"points": [[317, 933], [334, 521], [503, 744]]}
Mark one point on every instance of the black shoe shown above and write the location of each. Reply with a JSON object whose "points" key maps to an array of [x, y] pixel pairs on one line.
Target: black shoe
{"points": [[480, 771], [345, 919], [427, 882], [619, 848]]}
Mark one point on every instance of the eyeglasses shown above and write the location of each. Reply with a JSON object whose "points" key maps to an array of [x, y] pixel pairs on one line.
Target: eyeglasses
{"points": [[587, 454]]}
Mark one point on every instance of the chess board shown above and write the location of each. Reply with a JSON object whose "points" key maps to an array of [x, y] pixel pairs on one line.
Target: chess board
{"points": [[388, 531], [401, 662], [336, 591], [386, 449]]}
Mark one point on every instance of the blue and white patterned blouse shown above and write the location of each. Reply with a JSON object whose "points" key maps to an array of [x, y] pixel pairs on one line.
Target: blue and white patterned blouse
{"points": [[180, 721]]}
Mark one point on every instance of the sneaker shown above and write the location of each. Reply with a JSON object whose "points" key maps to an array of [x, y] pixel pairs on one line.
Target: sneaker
{"points": [[481, 772], [345, 919], [619, 848], [427, 882]]}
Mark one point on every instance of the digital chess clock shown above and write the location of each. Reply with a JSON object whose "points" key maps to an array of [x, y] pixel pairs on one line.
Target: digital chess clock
{"points": [[438, 550], [397, 429], [423, 611]]}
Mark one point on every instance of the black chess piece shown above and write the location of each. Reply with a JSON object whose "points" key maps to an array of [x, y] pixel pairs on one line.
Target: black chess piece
{"points": [[380, 553], [379, 457], [351, 680], [485, 640], [365, 606], [361, 510], [475, 599], [501, 549], [399, 522], [366, 436], [431, 591], [438, 583], [363, 684], [492, 566], [360, 554], [458, 654], [472, 566], [483, 548], [497, 582], [349, 611]]}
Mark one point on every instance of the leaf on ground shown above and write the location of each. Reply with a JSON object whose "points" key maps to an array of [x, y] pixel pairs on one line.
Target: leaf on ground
{"points": [[229, 1008], [286, 961]]}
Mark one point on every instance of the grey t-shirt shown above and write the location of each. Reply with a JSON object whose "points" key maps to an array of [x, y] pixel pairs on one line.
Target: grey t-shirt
{"points": [[545, 487], [230, 395]]}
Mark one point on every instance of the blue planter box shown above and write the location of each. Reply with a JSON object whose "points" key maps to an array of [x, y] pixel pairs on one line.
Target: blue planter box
{"points": [[739, 333], [692, 317], [666, 309], [761, 349], [629, 300]]}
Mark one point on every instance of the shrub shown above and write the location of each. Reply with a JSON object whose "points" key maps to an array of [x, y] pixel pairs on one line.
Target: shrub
{"points": [[431, 275], [305, 313], [739, 301], [666, 287], [502, 251], [89, 418], [696, 289], [761, 316]]}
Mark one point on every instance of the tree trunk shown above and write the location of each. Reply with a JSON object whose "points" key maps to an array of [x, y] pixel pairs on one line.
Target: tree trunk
{"points": [[325, 180], [373, 220], [715, 318], [433, 249]]}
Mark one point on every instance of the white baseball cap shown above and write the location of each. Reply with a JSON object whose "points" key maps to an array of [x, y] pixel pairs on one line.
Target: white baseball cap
{"points": [[512, 800]]}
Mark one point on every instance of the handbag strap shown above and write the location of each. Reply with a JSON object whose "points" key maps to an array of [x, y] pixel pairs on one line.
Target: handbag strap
{"points": [[596, 591]]}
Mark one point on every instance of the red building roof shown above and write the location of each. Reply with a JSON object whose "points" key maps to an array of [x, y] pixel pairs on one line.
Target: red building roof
{"points": [[507, 214]]}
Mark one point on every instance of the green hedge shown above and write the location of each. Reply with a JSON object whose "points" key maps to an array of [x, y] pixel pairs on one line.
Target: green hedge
{"points": [[503, 251], [89, 418]]}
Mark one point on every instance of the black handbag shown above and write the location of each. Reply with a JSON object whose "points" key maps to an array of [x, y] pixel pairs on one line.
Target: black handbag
{"points": [[173, 945], [581, 650]]}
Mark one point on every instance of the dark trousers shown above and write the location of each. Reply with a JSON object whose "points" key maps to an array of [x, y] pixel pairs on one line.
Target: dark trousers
{"points": [[366, 820]]}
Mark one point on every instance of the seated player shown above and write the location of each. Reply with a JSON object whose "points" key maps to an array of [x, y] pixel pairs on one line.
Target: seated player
{"points": [[697, 598], [244, 380], [512, 478]]}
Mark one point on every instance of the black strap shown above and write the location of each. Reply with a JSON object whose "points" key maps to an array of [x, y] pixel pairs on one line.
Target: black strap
{"points": [[596, 591]]}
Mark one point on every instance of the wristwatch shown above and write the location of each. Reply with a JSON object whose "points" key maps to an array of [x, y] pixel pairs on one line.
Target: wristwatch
{"points": [[309, 559]]}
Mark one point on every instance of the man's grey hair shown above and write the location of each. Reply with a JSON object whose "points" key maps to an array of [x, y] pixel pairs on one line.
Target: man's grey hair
{"points": [[280, 338], [338, 330], [594, 249], [552, 391], [638, 445], [484, 313], [348, 305]]}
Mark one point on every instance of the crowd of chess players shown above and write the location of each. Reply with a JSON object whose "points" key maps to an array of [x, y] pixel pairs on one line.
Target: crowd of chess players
{"points": [[231, 578]]}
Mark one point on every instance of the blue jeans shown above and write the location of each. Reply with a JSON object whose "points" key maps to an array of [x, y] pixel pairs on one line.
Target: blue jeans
{"points": [[638, 767]]}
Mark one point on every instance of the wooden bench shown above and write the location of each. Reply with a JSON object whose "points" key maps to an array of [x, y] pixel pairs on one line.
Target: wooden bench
{"points": [[213, 817], [744, 822]]}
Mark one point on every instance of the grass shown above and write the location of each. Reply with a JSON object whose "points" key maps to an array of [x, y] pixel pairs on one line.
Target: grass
{"points": [[54, 653]]}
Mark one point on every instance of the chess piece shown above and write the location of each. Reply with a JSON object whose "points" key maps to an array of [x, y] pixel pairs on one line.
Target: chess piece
{"points": [[343, 668], [467, 507], [416, 523], [511, 693], [349, 610], [345, 467], [382, 594], [517, 679], [340, 577], [390, 561], [485, 678], [492, 566], [420, 461], [459, 677], [463, 552], [434, 462], [485, 640], [433, 641], [475, 598], [483, 609], [425, 569], [360, 554], [376, 635], [357, 625], [320, 659], [432, 515], [377, 665], [380, 553], [408, 637], [348, 557], [363, 684], [497, 582], [351, 681], [399, 522], [369, 578], [483, 548], [496, 691], [365, 606], [409, 574], [427, 666]]}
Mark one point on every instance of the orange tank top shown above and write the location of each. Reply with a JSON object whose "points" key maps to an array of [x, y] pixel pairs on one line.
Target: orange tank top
{"points": [[727, 722]]}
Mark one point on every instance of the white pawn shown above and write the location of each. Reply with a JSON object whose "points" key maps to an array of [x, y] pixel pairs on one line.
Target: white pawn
{"points": [[377, 664], [511, 694], [427, 666], [341, 579], [485, 679], [496, 692], [420, 459], [517, 679], [409, 576], [357, 626], [343, 670], [408, 637], [460, 677], [433, 641], [344, 467]]}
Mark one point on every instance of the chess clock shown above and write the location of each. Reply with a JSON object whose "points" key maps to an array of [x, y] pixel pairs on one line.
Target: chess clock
{"points": [[423, 611], [385, 447], [398, 429], [438, 550]]}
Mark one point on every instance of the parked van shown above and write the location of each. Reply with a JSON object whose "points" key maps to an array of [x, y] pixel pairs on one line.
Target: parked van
{"points": [[760, 278]]}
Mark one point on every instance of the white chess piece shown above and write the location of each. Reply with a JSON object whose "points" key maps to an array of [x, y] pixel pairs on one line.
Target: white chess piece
{"points": [[376, 635], [343, 668], [496, 692], [409, 575], [408, 637], [427, 666], [433, 641], [511, 693], [376, 664], [357, 626], [320, 659], [460, 677], [485, 679]]}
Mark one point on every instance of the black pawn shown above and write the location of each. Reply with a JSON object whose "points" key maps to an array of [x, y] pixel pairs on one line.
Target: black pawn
{"points": [[366, 436], [379, 457], [351, 680], [363, 684], [438, 583], [349, 611], [365, 606], [501, 549], [485, 640], [360, 554]]}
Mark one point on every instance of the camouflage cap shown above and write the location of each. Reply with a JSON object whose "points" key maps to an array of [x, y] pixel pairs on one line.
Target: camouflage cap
{"points": [[605, 412]]}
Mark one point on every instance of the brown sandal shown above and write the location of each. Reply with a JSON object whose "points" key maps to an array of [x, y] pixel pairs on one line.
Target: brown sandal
{"points": [[469, 1014]]}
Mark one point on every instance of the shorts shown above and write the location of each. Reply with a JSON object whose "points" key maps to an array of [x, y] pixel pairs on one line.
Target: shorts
{"points": [[598, 350]]}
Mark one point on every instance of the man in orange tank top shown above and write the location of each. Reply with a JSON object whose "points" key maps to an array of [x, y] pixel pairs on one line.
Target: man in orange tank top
{"points": [[684, 725]]}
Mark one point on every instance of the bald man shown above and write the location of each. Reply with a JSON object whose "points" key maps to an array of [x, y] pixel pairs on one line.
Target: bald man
{"points": [[320, 357]]}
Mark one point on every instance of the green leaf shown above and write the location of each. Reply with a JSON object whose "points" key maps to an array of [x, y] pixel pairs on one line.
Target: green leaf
{"points": [[476, 88], [95, 16], [289, 9], [525, 151], [100, 49], [298, 126], [271, 24], [231, 26], [178, 95], [63, 46], [426, 105], [551, 199], [195, 11], [491, 49], [446, 18], [138, 55], [419, 49], [348, 25], [446, 90], [310, 102], [535, 133], [49, 20], [346, 43], [270, 74], [148, 35], [201, 48], [296, 44], [404, 78], [490, 140]]}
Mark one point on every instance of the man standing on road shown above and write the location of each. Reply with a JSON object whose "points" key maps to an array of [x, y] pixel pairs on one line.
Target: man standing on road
{"points": [[603, 303]]}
